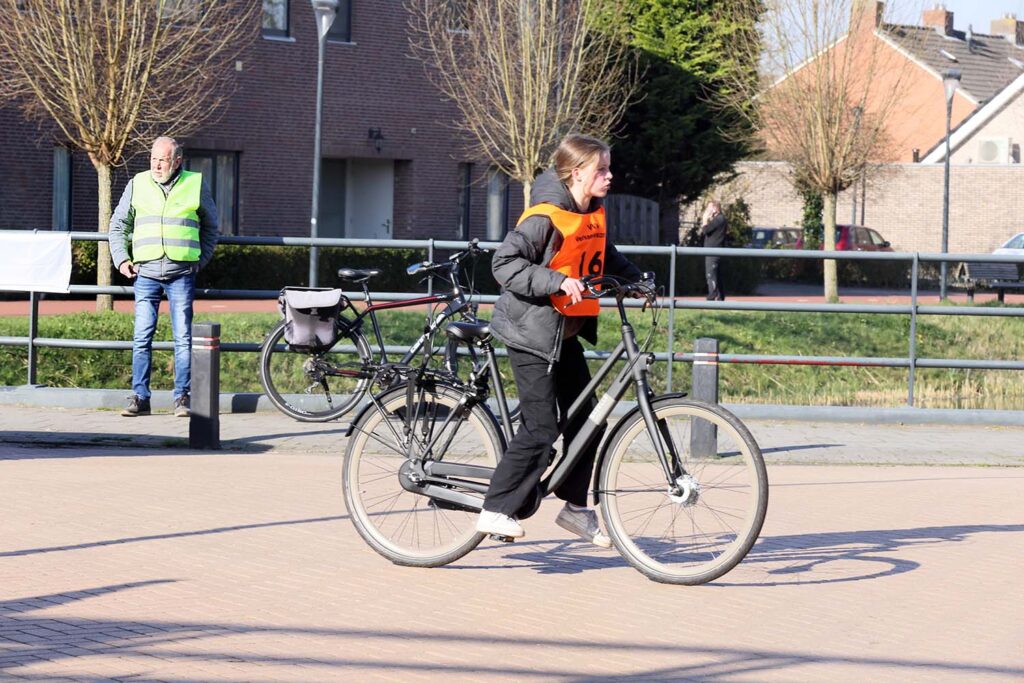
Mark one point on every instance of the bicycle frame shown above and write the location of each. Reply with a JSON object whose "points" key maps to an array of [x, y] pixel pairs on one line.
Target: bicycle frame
{"points": [[457, 303], [436, 476]]}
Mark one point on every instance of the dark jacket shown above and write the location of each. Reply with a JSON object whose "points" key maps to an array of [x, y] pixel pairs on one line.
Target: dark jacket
{"points": [[524, 318], [714, 231]]}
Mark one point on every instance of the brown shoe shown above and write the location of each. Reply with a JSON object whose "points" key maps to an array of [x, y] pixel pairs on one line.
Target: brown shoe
{"points": [[136, 406], [181, 406]]}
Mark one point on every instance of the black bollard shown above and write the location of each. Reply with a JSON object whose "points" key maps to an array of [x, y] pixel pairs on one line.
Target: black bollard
{"points": [[703, 434], [204, 418]]}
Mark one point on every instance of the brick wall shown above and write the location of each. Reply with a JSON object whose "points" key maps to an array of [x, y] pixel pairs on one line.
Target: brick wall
{"points": [[369, 83], [904, 203]]}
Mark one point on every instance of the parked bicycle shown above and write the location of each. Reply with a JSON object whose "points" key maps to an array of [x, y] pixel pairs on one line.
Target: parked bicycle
{"points": [[681, 484], [300, 359]]}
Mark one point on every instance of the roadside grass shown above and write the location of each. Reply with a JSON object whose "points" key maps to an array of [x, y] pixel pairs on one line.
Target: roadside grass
{"points": [[738, 332]]}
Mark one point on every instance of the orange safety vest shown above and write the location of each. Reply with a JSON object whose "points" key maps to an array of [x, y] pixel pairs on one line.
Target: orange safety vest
{"points": [[581, 253]]}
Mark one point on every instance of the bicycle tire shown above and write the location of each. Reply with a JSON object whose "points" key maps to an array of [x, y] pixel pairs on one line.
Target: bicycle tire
{"points": [[287, 379], [684, 538], [408, 528]]}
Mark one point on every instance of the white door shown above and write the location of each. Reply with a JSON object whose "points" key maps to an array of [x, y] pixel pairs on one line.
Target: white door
{"points": [[370, 198]]}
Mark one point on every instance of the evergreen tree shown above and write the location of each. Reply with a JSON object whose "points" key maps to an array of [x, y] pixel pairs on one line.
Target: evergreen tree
{"points": [[675, 139]]}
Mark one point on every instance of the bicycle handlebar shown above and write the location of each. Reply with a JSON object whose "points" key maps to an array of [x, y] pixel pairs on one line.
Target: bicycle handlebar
{"points": [[451, 265], [610, 284]]}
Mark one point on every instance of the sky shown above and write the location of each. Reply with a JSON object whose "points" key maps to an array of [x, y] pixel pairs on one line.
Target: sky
{"points": [[978, 13]]}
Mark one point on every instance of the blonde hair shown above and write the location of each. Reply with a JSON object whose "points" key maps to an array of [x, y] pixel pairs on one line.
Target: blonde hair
{"points": [[577, 150]]}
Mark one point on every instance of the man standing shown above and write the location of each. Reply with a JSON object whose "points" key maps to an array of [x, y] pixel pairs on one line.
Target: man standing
{"points": [[713, 228], [162, 233]]}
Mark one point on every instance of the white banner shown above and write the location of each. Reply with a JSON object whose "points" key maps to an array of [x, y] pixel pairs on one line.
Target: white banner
{"points": [[35, 261]]}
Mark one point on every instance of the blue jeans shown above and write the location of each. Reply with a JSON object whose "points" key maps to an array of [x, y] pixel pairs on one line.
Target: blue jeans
{"points": [[180, 293]]}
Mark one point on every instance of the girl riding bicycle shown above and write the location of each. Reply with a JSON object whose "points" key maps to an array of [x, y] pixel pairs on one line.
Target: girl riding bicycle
{"points": [[540, 316]]}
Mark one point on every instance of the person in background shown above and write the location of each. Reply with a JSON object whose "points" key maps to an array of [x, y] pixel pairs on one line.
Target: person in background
{"points": [[540, 316], [163, 231], [713, 227]]}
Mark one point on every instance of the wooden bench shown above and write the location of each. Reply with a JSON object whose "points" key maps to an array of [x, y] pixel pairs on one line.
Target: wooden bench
{"points": [[991, 276]]}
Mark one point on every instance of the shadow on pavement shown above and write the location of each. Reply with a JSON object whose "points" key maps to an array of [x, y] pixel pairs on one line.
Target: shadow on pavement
{"points": [[160, 537], [798, 559], [145, 642], [25, 445], [833, 557]]}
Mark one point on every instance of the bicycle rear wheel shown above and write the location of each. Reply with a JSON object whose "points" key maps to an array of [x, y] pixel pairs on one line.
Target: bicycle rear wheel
{"points": [[308, 386], [699, 527], [407, 527]]}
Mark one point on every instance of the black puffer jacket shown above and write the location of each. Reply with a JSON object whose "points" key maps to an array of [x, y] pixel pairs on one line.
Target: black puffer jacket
{"points": [[524, 318]]}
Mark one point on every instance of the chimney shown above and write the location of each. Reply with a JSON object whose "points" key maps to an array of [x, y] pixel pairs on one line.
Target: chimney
{"points": [[940, 19], [872, 10], [1008, 27]]}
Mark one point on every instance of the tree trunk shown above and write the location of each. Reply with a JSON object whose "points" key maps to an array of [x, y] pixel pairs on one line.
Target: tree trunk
{"points": [[829, 244], [527, 186], [104, 302]]}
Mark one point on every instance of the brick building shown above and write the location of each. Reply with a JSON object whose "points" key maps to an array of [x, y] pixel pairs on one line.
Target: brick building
{"points": [[903, 200], [392, 165]]}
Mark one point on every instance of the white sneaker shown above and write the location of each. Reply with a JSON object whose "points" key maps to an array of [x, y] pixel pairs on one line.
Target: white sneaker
{"points": [[499, 525], [584, 524]]}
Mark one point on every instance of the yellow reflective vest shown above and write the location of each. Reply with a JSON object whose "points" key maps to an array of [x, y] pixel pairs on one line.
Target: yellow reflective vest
{"points": [[166, 226]]}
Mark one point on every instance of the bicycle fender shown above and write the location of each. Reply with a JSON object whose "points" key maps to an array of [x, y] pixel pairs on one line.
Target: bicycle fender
{"points": [[614, 433], [369, 405]]}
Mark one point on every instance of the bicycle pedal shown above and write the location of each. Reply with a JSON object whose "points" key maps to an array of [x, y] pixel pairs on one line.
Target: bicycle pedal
{"points": [[502, 539]]}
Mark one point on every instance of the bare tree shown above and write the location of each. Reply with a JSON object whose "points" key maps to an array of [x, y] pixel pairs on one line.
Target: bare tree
{"points": [[828, 86], [523, 73], [113, 74]]}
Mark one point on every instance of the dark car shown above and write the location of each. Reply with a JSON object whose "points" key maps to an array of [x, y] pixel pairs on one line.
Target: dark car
{"points": [[859, 238], [775, 238]]}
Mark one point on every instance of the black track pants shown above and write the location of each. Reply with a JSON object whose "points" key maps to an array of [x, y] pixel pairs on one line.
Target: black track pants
{"points": [[543, 397]]}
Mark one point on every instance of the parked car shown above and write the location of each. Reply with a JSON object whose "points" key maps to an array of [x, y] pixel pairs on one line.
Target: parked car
{"points": [[859, 238], [775, 238], [1013, 246]]}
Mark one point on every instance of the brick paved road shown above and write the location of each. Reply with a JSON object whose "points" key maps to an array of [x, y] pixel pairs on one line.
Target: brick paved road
{"points": [[152, 563]]}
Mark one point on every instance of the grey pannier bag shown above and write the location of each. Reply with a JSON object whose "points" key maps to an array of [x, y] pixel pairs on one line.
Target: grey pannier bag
{"points": [[311, 317]]}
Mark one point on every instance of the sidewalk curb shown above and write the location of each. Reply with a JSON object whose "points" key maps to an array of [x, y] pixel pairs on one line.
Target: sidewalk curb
{"points": [[114, 399]]}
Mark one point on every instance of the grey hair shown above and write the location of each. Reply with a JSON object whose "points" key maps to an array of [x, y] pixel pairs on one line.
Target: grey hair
{"points": [[177, 149]]}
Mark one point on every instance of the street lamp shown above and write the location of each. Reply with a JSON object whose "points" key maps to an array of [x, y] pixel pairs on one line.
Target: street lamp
{"points": [[857, 112], [325, 11], [950, 80]]}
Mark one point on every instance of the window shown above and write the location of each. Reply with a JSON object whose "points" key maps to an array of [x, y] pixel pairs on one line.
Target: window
{"points": [[275, 18], [497, 205], [459, 15], [465, 187], [220, 173], [181, 12], [341, 29], [61, 189]]}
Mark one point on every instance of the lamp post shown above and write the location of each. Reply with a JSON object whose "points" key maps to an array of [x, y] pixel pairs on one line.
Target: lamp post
{"points": [[857, 112], [325, 11], [950, 80]]}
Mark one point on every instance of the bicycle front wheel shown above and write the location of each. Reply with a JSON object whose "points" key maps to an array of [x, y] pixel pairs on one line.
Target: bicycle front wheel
{"points": [[696, 525], [404, 526], [314, 387]]}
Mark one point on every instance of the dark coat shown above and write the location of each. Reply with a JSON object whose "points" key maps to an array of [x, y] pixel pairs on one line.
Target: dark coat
{"points": [[714, 231], [524, 318]]}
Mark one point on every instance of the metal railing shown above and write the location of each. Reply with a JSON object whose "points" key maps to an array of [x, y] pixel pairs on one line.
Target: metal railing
{"points": [[671, 302]]}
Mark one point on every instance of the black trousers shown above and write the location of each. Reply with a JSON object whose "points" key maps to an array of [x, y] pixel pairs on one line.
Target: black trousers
{"points": [[544, 400], [713, 272]]}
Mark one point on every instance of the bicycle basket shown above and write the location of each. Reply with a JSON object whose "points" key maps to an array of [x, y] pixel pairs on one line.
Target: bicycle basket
{"points": [[311, 316]]}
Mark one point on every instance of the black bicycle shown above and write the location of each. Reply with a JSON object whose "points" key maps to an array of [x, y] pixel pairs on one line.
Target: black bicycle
{"points": [[681, 484], [314, 384]]}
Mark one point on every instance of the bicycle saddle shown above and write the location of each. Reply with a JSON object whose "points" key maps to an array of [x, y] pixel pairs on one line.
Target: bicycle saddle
{"points": [[465, 331], [353, 275]]}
